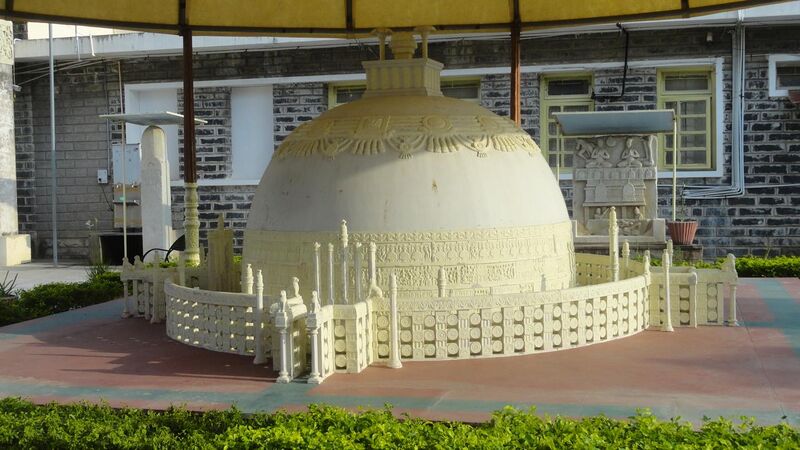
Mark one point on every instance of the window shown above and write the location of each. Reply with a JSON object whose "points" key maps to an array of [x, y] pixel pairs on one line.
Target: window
{"points": [[787, 75], [690, 94], [562, 93], [462, 88]]}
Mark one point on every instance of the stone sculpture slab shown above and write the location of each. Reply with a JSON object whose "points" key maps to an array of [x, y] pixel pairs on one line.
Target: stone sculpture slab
{"points": [[616, 171]]}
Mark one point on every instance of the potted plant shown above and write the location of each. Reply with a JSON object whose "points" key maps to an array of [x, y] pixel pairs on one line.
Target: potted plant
{"points": [[8, 291], [683, 228]]}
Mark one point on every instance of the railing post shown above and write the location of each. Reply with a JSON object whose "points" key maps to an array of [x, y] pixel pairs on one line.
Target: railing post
{"points": [[126, 266], [693, 298], [343, 239], [394, 348], [247, 280], [374, 290], [261, 354], [357, 270], [667, 325], [281, 322], [670, 249], [317, 275], [331, 293], [313, 334], [181, 271], [731, 267], [626, 257], [613, 244], [442, 283]]}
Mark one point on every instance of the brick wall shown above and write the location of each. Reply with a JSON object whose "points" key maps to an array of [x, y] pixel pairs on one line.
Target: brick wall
{"points": [[765, 219], [212, 139]]}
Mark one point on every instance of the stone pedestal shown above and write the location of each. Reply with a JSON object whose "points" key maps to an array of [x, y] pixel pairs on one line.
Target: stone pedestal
{"points": [[14, 248], [156, 206]]}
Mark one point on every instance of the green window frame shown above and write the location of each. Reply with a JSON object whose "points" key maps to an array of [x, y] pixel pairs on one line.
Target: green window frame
{"points": [[464, 88], [571, 92], [690, 93]]}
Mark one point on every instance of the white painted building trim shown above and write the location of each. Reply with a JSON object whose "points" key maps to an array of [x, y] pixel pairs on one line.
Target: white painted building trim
{"points": [[773, 75]]}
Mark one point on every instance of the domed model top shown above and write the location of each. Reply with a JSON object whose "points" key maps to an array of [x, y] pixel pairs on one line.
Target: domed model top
{"points": [[405, 164]]}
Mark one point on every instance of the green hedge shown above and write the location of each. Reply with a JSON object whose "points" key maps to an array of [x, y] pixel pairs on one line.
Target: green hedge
{"points": [[778, 266], [52, 298], [751, 266], [23, 425]]}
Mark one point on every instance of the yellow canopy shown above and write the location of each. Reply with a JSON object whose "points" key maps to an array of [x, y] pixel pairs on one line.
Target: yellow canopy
{"points": [[344, 18]]}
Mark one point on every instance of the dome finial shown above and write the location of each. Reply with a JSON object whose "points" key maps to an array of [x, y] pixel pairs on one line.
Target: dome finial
{"points": [[403, 45]]}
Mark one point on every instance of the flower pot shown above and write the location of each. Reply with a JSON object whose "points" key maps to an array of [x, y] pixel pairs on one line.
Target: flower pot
{"points": [[682, 233]]}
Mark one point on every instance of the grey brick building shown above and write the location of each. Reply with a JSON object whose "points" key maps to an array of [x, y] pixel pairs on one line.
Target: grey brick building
{"points": [[253, 96]]}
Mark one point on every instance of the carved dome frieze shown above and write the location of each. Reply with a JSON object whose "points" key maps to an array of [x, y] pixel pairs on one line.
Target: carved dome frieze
{"points": [[406, 135]]}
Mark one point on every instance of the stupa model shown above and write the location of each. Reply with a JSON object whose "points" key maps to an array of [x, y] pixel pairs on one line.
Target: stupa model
{"points": [[411, 226], [435, 182]]}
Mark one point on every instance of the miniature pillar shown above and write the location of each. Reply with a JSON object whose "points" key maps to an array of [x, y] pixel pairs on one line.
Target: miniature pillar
{"points": [[626, 257], [247, 280], [181, 271], [646, 264], [667, 325], [313, 334], [670, 249], [261, 354], [191, 223], [281, 323], [331, 293], [693, 298], [357, 270], [125, 311], [317, 275], [442, 282], [731, 267], [613, 244], [155, 191], [374, 290], [394, 347], [15, 248], [344, 242]]}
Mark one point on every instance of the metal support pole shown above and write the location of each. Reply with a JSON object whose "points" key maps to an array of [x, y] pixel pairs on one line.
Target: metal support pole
{"points": [[674, 163], [191, 221], [53, 184]]}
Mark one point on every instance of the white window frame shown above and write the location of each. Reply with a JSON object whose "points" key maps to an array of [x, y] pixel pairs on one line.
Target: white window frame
{"points": [[772, 73], [717, 152]]}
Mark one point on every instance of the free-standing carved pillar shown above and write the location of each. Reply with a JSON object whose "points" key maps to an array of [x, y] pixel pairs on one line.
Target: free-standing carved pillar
{"points": [[191, 223]]}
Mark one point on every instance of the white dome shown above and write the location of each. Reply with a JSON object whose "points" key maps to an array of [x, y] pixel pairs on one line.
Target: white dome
{"points": [[436, 183], [309, 187]]}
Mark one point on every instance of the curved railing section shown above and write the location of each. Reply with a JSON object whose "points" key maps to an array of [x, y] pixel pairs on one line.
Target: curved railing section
{"points": [[219, 321]]}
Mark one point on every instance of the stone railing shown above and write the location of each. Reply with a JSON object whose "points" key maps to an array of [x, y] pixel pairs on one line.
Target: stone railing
{"points": [[289, 336], [142, 290], [696, 296], [219, 321], [468, 327]]}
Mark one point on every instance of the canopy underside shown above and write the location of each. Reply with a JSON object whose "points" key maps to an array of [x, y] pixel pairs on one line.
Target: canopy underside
{"points": [[346, 18]]}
